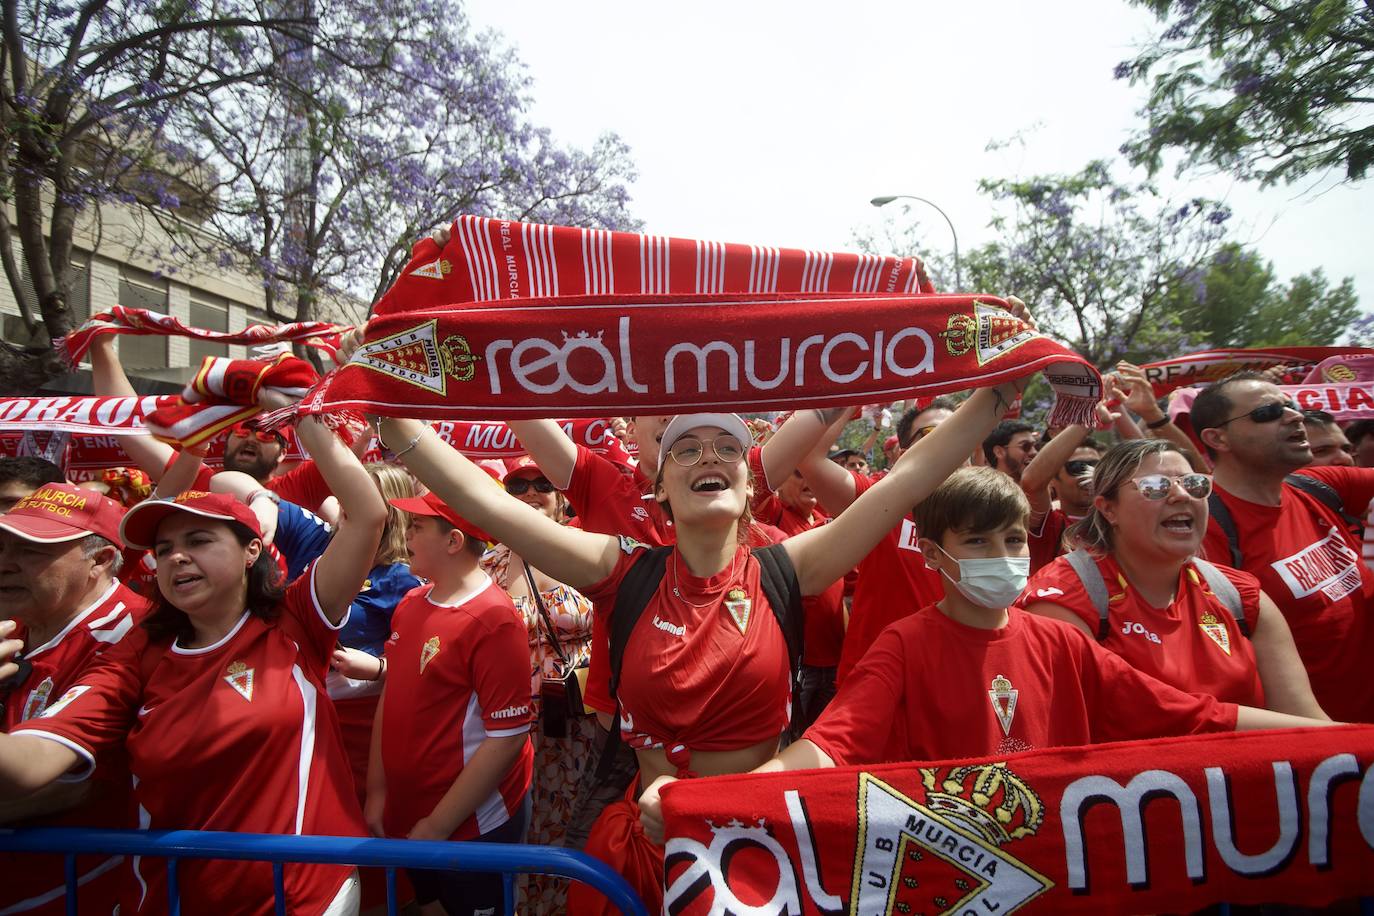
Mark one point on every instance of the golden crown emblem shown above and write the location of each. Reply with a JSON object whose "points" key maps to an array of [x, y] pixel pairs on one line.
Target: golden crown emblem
{"points": [[990, 799], [1001, 686], [1209, 619], [960, 334], [457, 358]]}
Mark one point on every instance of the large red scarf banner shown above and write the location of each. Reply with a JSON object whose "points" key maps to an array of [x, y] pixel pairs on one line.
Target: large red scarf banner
{"points": [[1171, 825], [488, 259], [144, 322], [1210, 365], [628, 355]]}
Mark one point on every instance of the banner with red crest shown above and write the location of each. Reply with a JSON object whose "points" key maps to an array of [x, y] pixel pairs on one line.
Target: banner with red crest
{"points": [[626, 355], [1170, 825], [1210, 365]]}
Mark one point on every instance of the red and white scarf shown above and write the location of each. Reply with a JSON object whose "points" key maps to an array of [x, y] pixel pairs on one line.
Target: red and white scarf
{"points": [[597, 356], [1210, 365], [491, 259], [1172, 825], [143, 322]]}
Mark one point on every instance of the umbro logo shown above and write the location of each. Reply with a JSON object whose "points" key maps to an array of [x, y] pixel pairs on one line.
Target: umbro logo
{"points": [[511, 712]]}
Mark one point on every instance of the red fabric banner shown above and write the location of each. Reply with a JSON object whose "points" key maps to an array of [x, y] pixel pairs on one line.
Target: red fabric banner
{"points": [[627, 355], [143, 322], [493, 439], [488, 259], [1211, 365], [1171, 825], [1344, 401], [225, 392]]}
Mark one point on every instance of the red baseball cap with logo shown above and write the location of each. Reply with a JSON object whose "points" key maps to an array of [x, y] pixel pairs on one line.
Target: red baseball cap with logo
{"points": [[431, 505], [523, 463], [141, 522], [57, 512]]}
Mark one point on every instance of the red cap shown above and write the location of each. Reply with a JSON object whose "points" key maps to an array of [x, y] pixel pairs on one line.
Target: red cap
{"points": [[523, 463], [432, 505], [141, 522], [57, 512]]}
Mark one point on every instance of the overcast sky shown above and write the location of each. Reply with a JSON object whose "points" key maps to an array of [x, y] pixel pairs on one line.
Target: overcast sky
{"points": [[775, 123]]}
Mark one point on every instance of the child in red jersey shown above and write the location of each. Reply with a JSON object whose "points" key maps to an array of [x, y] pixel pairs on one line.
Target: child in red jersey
{"points": [[219, 697], [451, 757], [971, 676]]}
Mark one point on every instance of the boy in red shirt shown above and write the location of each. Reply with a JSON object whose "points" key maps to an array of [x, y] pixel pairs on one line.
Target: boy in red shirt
{"points": [[451, 757]]}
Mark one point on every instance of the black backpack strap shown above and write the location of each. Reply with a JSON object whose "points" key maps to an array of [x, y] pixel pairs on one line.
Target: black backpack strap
{"points": [[1225, 591], [778, 578], [1085, 567], [1324, 492], [640, 582], [1217, 509]]}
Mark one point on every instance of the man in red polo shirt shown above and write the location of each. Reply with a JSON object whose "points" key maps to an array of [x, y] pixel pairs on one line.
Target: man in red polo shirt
{"points": [[59, 556], [1303, 551]]}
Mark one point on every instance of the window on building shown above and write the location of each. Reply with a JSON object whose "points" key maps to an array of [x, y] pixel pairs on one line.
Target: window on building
{"points": [[78, 303], [212, 314], [143, 291]]}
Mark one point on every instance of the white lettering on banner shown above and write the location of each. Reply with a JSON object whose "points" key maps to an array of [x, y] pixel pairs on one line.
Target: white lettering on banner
{"points": [[1330, 566], [543, 366]]}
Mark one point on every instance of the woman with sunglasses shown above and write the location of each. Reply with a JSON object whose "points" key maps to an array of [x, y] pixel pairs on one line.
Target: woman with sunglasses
{"points": [[559, 621], [1145, 527], [704, 687]]}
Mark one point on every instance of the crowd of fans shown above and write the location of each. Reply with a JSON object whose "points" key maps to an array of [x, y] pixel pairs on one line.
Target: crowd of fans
{"points": [[430, 648]]}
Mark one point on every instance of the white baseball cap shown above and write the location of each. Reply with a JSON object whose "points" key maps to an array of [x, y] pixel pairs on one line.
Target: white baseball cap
{"points": [[683, 423]]}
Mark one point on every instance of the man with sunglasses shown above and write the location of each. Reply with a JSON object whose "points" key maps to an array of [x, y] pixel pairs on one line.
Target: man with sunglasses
{"points": [[1058, 484], [59, 556], [1301, 548], [1011, 446]]}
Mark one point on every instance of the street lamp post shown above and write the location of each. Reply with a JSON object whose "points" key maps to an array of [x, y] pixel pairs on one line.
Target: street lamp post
{"points": [[884, 201]]}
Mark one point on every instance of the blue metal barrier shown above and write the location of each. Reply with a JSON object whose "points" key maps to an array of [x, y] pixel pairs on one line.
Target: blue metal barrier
{"points": [[508, 859]]}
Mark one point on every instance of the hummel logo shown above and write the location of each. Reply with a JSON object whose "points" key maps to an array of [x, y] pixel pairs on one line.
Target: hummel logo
{"points": [[665, 626]]}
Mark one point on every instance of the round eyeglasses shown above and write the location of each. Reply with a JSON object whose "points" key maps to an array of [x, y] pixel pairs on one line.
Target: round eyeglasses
{"points": [[689, 450]]}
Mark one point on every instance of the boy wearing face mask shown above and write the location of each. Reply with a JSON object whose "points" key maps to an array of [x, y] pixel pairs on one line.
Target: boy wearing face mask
{"points": [[971, 676]]}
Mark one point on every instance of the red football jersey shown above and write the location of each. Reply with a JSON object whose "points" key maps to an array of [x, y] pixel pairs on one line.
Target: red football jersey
{"points": [[710, 678], [1310, 565], [893, 583], [932, 688], [239, 735], [456, 675], [1046, 540], [823, 614], [1194, 644], [34, 884]]}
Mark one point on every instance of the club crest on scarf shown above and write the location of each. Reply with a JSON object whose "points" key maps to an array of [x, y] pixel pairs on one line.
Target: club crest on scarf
{"points": [[965, 819], [434, 270], [989, 332], [417, 356]]}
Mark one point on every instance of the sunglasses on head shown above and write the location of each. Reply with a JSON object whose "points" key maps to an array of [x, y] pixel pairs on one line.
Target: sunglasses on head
{"points": [[1080, 466], [518, 486], [244, 431], [689, 450], [1158, 486], [1265, 413]]}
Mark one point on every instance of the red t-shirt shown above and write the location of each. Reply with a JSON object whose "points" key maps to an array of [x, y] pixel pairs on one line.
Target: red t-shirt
{"points": [[1194, 644], [708, 678], [823, 614], [931, 688], [302, 485], [37, 884], [1309, 564], [893, 583], [239, 735], [457, 674], [1046, 541]]}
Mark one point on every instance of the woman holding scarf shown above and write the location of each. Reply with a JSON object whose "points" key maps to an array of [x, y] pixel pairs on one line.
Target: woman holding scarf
{"points": [[705, 678]]}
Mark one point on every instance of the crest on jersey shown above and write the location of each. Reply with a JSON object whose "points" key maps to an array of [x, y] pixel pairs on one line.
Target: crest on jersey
{"points": [[738, 604], [239, 676], [629, 545], [988, 333], [38, 700], [1216, 631], [428, 651], [1003, 697], [62, 701]]}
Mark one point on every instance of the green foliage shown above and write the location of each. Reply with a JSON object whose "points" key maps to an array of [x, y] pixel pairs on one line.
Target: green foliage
{"points": [[1236, 301], [1271, 90]]}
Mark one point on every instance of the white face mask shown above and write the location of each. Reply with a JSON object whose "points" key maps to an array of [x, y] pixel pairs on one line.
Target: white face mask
{"points": [[991, 582]]}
